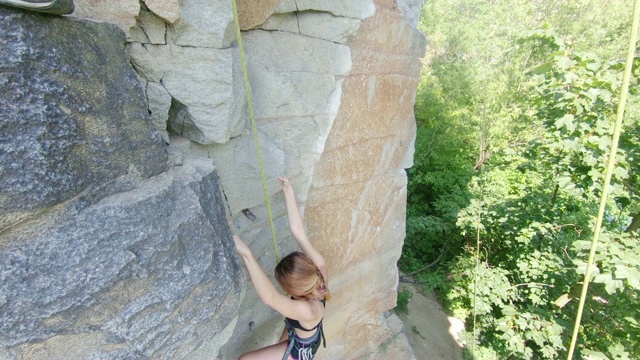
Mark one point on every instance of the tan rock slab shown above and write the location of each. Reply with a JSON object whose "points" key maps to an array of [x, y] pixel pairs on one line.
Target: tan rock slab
{"points": [[168, 10], [356, 207], [254, 13], [119, 12]]}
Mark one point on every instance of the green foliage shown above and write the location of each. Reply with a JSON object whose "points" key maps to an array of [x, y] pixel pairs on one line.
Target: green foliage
{"points": [[514, 129], [403, 301], [574, 98], [435, 280]]}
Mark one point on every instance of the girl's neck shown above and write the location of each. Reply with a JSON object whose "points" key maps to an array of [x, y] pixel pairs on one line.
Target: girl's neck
{"points": [[317, 295], [314, 295]]}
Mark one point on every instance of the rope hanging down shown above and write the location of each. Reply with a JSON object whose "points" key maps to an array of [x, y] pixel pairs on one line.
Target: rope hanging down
{"points": [[609, 171], [247, 87]]}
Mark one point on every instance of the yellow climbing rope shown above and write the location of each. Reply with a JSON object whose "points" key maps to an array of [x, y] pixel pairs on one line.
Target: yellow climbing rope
{"points": [[609, 171], [247, 87]]}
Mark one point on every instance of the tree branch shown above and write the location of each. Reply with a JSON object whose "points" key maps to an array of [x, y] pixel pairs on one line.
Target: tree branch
{"points": [[432, 264], [635, 223]]}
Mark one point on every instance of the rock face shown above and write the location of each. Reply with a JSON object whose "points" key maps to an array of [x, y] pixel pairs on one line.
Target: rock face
{"points": [[122, 255], [127, 254], [65, 115], [143, 273], [361, 177]]}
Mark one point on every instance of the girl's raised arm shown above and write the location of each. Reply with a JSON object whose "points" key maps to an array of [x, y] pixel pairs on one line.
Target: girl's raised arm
{"points": [[297, 229], [299, 310]]}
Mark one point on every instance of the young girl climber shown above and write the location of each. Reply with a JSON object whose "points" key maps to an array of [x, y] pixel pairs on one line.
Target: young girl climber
{"points": [[303, 276]]}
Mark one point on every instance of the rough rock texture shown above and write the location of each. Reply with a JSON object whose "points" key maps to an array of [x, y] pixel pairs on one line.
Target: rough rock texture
{"points": [[206, 99], [252, 13], [411, 9], [151, 29], [296, 82], [184, 47], [120, 12], [397, 346], [145, 273], [73, 113], [203, 23], [359, 9], [122, 256], [168, 10], [361, 177]]}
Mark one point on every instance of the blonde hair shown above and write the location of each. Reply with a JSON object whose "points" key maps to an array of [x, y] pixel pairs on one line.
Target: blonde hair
{"points": [[299, 276]]}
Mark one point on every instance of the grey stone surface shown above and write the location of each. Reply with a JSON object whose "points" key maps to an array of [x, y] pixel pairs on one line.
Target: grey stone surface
{"points": [[120, 12], [208, 99], [169, 10], [326, 26], [286, 6], [73, 112], [204, 23], [148, 67], [411, 9], [296, 82], [148, 273], [237, 164], [159, 104], [282, 22], [359, 9], [293, 75], [302, 140], [154, 27], [319, 25], [137, 35]]}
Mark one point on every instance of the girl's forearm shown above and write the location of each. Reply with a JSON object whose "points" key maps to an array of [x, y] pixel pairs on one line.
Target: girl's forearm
{"points": [[297, 230], [293, 212], [261, 282]]}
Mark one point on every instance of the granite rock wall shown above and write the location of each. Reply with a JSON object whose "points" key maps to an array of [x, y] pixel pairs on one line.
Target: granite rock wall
{"points": [[108, 249], [124, 252]]}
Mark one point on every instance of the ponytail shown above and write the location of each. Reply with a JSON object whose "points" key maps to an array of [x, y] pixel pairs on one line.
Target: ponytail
{"points": [[324, 290], [299, 276]]}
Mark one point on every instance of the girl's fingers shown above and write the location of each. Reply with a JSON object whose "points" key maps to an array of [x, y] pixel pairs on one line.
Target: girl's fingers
{"points": [[241, 247], [284, 180]]}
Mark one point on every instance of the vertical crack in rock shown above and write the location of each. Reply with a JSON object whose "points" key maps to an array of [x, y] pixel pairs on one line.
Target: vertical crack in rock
{"points": [[146, 95], [297, 15], [297, 21], [226, 200], [139, 22]]}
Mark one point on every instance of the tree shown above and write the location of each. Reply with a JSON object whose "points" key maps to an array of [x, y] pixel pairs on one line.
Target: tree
{"points": [[512, 131]]}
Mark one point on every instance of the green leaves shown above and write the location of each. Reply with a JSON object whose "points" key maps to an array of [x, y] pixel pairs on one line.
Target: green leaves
{"points": [[574, 98], [514, 127], [618, 262], [617, 352], [567, 121], [564, 63]]}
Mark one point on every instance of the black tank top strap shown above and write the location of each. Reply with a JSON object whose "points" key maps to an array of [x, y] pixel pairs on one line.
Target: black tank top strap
{"points": [[296, 324]]}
